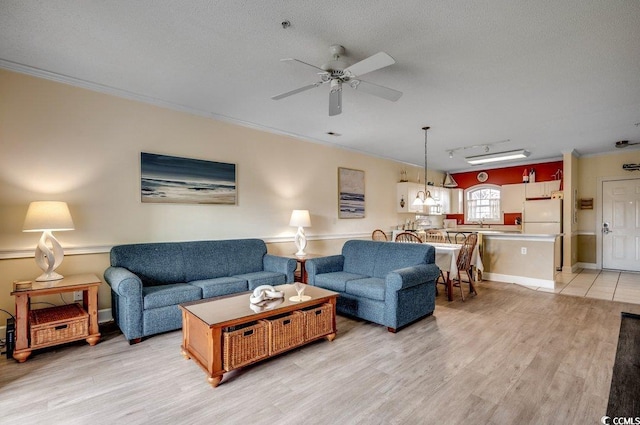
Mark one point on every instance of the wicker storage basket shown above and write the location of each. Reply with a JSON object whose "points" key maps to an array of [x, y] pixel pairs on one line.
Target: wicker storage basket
{"points": [[244, 346], [55, 325], [285, 332], [318, 321]]}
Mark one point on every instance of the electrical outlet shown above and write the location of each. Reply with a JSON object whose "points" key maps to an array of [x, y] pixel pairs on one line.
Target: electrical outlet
{"points": [[523, 250], [77, 295]]}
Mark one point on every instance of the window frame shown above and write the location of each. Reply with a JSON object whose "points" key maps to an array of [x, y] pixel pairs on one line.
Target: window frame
{"points": [[467, 220]]}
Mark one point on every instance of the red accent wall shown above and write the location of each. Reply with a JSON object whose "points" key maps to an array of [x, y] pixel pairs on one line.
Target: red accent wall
{"points": [[545, 171]]}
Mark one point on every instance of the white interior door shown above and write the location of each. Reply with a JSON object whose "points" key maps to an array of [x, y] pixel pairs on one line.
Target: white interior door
{"points": [[621, 225]]}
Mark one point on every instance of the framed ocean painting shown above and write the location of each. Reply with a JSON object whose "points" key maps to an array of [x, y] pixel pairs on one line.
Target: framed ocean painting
{"points": [[350, 193], [175, 180]]}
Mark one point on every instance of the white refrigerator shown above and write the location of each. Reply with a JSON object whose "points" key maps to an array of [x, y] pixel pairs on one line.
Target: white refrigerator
{"points": [[543, 216]]}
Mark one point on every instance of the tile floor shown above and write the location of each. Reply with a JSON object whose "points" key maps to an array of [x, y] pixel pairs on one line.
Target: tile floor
{"points": [[600, 284]]}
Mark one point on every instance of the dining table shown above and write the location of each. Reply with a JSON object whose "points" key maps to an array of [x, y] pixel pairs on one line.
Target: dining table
{"points": [[447, 259]]}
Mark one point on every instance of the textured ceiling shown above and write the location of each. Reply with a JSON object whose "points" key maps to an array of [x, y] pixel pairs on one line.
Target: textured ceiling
{"points": [[550, 76]]}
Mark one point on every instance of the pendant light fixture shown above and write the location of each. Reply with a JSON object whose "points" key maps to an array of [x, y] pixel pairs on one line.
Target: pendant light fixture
{"points": [[426, 195], [449, 181]]}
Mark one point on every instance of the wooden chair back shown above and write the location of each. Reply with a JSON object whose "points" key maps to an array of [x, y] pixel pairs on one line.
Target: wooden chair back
{"points": [[466, 252], [459, 237], [408, 237], [379, 235], [434, 236]]}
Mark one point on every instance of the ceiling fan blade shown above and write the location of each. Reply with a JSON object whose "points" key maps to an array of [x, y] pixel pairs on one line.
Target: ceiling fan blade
{"points": [[335, 101], [292, 60], [372, 63], [376, 90], [298, 90]]}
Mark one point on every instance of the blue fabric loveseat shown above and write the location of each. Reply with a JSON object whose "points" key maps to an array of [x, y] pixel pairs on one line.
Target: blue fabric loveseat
{"points": [[392, 284], [149, 280]]}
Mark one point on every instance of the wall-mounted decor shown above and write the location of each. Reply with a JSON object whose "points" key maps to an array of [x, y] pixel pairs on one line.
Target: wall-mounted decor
{"points": [[350, 193], [586, 203], [171, 179]]}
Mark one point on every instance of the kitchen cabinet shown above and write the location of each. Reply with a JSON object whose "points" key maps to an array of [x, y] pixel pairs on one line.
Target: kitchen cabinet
{"points": [[512, 197], [456, 201], [441, 196], [406, 192], [541, 189]]}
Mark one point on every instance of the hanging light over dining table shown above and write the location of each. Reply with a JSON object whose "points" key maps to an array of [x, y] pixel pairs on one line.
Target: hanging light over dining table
{"points": [[426, 199]]}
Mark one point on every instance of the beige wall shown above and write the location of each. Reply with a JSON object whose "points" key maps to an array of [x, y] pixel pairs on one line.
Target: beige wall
{"points": [[591, 171], [59, 142], [597, 167], [570, 225]]}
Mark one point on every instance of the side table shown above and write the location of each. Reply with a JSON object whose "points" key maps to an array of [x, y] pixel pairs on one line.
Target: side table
{"points": [[301, 260], [87, 283]]}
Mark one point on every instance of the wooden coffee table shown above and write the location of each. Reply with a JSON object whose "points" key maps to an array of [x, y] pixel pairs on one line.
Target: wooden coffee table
{"points": [[205, 322]]}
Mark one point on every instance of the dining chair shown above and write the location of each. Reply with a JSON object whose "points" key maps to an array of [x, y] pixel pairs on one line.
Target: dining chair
{"points": [[464, 263], [408, 237], [460, 237], [379, 235], [434, 236]]}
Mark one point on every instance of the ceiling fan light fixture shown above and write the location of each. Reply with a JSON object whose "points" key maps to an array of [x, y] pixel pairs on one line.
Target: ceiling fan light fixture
{"points": [[337, 71], [497, 157]]}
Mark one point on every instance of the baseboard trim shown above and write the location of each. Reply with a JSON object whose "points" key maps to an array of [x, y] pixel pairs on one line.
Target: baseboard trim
{"points": [[520, 280], [591, 266], [105, 315]]}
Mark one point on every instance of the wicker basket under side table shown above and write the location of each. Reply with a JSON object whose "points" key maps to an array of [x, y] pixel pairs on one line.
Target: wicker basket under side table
{"points": [[57, 325]]}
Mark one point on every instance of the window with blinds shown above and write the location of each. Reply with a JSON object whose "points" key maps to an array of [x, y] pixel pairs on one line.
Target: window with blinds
{"points": [[483, 204]]}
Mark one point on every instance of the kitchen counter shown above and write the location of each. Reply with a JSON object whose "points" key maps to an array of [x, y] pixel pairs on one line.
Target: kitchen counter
{"points": [[526, 259]]}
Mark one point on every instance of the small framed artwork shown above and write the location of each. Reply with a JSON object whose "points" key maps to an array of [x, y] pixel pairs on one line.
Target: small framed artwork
{"points": [[176, 180], [350, 193]]}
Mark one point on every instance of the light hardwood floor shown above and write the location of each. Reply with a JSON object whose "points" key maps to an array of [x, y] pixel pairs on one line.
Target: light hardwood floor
{"points": [[511, 355]]}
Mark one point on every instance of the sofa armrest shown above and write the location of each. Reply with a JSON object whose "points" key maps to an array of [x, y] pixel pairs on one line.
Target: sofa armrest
{"points": [[126, 301], [411, 276], [123, 282], [286, 266], [316, 266]]}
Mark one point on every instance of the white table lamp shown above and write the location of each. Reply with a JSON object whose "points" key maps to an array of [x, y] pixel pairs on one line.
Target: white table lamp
{"points": [[301, 219], [45, 217]]}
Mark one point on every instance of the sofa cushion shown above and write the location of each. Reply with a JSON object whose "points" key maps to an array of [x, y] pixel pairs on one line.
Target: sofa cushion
{"points": [[360, 256], [164, 295], [204, 260], [336, 281], [220, 286], [262, 278], [371, 287], [154, 263], [245, 255], [394, 256]]}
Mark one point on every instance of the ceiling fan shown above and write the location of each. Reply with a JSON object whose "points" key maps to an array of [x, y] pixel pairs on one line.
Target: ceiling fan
{"points": [[336, 72], [624, 144]]}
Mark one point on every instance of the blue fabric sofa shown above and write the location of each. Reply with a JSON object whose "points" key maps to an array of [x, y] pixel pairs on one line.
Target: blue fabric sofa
{"points": [[392, 284], [149, 280]]}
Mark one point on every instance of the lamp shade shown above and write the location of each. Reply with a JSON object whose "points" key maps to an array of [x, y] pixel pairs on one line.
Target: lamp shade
{"points": [[47, 215], [300, 218]]}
